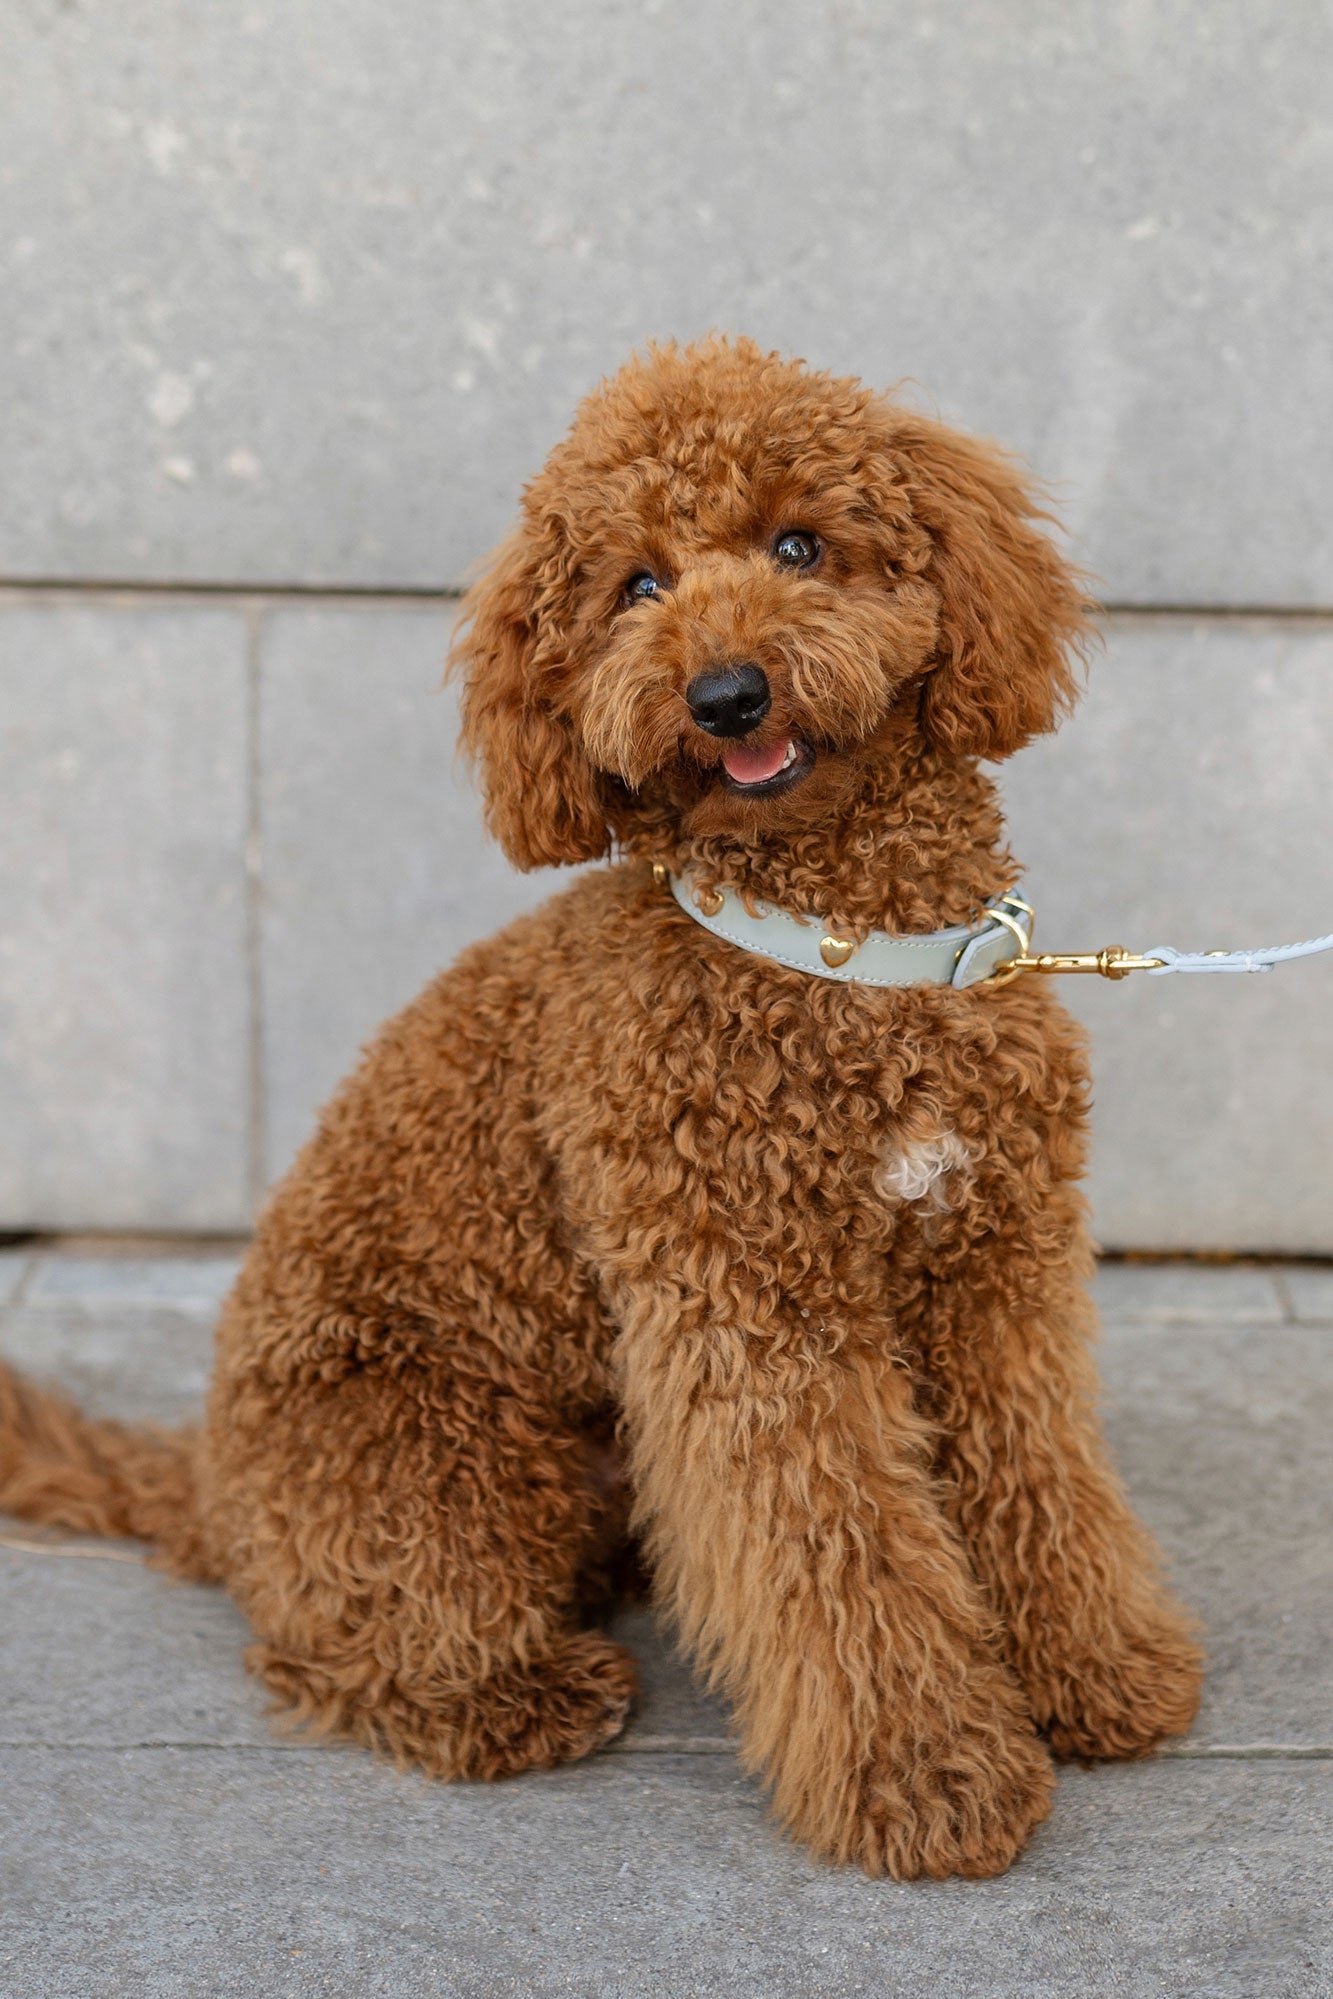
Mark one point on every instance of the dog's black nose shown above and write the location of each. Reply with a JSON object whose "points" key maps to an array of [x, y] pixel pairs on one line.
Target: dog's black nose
{"points": [[729, 700]]}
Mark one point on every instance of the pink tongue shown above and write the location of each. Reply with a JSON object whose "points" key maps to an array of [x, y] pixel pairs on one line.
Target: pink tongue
{"points": [[753, 766]]}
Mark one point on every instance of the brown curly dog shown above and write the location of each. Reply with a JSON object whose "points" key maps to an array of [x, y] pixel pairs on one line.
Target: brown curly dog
{"points": [[813, 1251]]}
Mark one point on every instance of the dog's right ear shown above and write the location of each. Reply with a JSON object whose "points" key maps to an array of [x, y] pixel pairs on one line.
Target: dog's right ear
{"points": [[541, 793]]}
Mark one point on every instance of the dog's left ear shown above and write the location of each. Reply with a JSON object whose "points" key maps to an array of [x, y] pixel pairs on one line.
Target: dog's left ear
{"points": [[512, 649], [1013, 614]]}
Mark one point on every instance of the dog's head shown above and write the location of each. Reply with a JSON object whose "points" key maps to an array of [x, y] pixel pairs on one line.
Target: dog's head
{"points": [[736, 589]]}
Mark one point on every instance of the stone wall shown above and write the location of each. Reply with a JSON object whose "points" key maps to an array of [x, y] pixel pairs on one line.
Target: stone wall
{"points": [[293, 297]]}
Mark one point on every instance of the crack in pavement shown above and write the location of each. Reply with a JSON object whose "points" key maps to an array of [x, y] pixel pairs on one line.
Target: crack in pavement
{"points": [[664, 1745]]}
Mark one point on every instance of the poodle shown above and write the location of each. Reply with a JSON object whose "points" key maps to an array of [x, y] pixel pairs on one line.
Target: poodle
{"points": [[627, 1232]]}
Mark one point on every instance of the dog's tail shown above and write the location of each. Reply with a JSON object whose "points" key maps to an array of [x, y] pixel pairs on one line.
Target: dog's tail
{"points": [[65, 1469]]}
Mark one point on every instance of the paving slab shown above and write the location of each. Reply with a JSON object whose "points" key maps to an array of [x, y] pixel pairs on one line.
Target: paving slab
{"points": [[101, 1652], [104, 1652], [129, 1336], [14, 1267], [129, 1361], [672, 1713], [1309, 1290], [156, 1838], [1224, 1435], [116, 1283], [1197, 1293], [126, 1360], [1223, 1432], [157, 1873]]}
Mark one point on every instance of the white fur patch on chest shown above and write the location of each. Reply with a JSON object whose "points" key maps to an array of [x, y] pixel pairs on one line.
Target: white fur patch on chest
{"points": [[922, 1169]]}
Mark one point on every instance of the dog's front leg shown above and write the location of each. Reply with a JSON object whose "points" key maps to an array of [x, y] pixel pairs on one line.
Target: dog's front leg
{"points": [[1108, 1659], [783, 1481]]}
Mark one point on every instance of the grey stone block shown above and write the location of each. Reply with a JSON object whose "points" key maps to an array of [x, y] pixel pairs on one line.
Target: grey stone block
{"points": [[125, 1336], [1201, 1292], [124, 1062], [14, 1267], [121, 1360], [375, 869], [1188, 803], [164, 1873], [188, 1283], [272, 316], [1310, 1290]]}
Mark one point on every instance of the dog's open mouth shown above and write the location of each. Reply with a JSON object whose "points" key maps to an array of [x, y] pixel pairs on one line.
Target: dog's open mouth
{"points": [[761, 772]]}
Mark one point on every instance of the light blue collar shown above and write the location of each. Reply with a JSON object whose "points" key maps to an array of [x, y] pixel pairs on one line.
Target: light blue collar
{"points": [[964, 956]]}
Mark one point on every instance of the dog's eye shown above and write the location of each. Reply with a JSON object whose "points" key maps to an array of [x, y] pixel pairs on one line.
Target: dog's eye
{"points": [[795, 550], [642, 584]]}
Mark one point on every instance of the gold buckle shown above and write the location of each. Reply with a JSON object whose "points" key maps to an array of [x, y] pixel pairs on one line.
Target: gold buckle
{"points": [[998, 913]]}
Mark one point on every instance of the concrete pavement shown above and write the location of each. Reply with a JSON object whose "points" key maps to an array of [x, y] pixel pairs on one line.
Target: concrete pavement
{"points": [[157, 1839]]}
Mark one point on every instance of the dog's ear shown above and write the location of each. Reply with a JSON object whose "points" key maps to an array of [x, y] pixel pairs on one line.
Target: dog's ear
{"points": [[511, 648], [1013, 614]]}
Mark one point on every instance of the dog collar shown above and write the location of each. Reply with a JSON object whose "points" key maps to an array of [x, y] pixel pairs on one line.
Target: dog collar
{"points": [[966, 955], [971, 954]]}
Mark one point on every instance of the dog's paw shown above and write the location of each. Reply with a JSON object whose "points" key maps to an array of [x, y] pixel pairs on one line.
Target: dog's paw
{"points": [[966, 1806], [554, 1709], [1119, 1701]]}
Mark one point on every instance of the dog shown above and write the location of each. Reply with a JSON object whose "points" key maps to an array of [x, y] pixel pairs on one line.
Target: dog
{"points": [[809, 1251]]}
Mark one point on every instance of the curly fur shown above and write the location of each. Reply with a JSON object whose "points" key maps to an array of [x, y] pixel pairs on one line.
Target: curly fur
{"points": [[815, 1252]]}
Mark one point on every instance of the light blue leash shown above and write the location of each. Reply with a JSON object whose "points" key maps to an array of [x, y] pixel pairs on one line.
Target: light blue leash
{"points": [[1170, 960], [1117, 963]]}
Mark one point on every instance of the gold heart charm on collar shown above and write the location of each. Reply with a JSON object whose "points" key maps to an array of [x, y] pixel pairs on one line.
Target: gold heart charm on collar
{"points": [[710, 900], [835, 950]]}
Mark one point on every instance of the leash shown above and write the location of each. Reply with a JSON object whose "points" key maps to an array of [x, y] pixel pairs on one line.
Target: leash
{"points": [[980, 953], [1115, 962]]}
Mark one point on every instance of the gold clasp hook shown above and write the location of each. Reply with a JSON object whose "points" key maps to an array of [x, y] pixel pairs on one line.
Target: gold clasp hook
{"points": [[1115, 962]]}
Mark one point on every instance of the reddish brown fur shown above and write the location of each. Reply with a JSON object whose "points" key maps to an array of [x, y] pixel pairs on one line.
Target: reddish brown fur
{"points": [[610, 1168]]}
